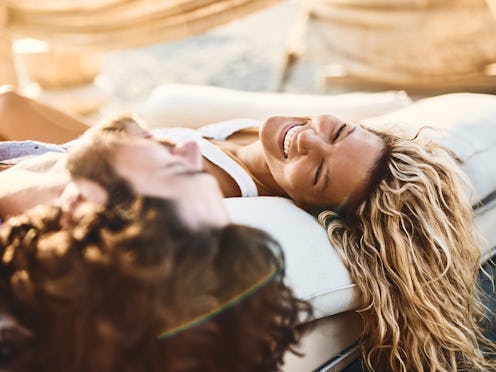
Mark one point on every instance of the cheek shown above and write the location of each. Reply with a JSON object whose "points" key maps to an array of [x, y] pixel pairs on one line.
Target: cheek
{"points": [[139, 179], [133, 169], [293, 180], [189, 190], [276, 167], [144, 180]]}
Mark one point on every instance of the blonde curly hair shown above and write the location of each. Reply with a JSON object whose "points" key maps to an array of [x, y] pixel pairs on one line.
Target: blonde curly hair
{"points": [[411, 248]]}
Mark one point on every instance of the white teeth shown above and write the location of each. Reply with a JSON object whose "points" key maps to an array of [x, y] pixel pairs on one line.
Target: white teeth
{"points": [[288, 138]]}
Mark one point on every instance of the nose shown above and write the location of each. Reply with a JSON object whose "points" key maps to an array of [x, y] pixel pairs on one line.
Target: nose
{"points": [[190, 152], [308, 141], [147, 134]]}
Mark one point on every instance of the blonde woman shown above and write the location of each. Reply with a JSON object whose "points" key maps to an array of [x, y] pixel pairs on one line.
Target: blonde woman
{"points": [[410, 245], [397, 211]]}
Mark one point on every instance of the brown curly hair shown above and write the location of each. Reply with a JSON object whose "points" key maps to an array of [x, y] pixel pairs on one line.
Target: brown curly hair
{"points": [[96, 295]]}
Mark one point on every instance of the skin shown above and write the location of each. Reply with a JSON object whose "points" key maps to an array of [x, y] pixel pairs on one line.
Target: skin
{"points": [[349, 160], [149, 166], [328, 160], [146, 164], [135, 130], [316, 173], [323, 168], [31, 182], [24, 119]]}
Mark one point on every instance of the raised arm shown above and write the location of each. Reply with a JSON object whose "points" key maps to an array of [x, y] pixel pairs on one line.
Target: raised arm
{"points": [[23, 118]]}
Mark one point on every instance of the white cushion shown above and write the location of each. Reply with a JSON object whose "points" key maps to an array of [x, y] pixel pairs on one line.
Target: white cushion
{"points": [[173, 105], [314, 269], [467, 126]]}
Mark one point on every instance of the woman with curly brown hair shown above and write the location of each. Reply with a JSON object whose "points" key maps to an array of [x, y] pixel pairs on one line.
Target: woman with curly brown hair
{"points": [[135, 289]]}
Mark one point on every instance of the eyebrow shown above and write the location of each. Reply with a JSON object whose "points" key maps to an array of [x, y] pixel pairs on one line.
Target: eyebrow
{"points": [[189, 173], [184, 172], [173, 164], [163, 141]]}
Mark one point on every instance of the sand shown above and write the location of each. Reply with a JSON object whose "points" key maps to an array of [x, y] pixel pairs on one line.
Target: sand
{"points": [[246, 54]]}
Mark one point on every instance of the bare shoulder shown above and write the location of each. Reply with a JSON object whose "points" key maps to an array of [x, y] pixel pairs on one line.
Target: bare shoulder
{"points": [[244, 136]]}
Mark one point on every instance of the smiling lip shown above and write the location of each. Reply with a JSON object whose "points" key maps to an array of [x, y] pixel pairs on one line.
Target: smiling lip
{"points": [[282, 136]]}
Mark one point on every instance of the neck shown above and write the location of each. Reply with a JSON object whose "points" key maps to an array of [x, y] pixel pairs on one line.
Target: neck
{"points": [[253, 157]]}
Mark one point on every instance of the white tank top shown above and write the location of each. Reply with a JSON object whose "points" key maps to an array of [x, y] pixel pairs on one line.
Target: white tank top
{"points": [[218, 131]]}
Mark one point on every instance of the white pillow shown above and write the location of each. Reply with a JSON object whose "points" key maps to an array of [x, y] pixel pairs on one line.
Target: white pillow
{"points": [[467, 126], [313, 267], [176, 105]]}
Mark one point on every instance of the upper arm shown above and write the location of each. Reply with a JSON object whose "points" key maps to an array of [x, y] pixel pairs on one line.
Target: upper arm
{"points": [[34, 181]]}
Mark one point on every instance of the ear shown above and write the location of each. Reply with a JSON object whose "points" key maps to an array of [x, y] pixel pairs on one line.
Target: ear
{"points": [[81, 190]]}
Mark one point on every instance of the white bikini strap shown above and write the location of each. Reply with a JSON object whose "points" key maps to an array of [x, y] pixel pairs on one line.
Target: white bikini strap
{"points": [[236, 171], [223, 129]]}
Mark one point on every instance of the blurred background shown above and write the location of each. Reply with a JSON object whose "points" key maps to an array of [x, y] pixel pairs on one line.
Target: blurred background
{"points": [[108, 54]]}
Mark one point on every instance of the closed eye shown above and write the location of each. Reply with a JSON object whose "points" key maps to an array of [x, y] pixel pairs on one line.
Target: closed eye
{"points": [[174, 164], [318, 172], [338, 133]]}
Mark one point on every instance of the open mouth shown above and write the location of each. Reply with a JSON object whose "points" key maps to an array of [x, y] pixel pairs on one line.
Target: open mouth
{"points": [[288, 138]]}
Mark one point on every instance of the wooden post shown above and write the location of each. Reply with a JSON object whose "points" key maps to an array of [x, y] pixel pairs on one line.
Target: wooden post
{"points": [[7, 67]]}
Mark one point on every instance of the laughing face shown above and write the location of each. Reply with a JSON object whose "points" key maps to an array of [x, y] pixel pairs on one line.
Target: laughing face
{"points": [[320, 161]]}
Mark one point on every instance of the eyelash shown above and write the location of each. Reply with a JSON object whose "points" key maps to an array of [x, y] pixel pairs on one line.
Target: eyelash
{"points": [[319, 169], [317, 173], [338, 133]]}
